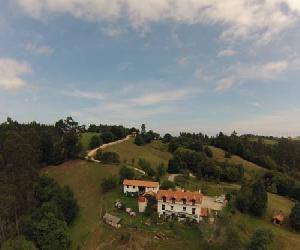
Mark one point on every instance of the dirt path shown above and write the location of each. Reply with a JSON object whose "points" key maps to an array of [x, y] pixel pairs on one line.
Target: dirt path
{"points": [[92, 153]]}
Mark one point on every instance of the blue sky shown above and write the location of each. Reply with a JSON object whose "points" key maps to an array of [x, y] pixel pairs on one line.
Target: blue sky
{"points": [[193, 65]]}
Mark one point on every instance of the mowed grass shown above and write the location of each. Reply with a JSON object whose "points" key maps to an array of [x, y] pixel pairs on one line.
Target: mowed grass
{"points": [[155, 152], [85, 139], [285, 238], [84, 179], [251, 169]]}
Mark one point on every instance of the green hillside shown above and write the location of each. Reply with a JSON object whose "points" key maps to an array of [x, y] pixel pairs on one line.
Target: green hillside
{"points": [[251, 169], [85, 139], [89, 232]]}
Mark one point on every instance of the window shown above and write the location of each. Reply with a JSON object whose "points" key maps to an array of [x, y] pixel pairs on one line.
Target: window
{"points": [[133, 187], [164, 199], [184, 201], [172, 207], [162, 207], [193, 210], [184, 208], [193, 202], [173, 200], [127, 186]]}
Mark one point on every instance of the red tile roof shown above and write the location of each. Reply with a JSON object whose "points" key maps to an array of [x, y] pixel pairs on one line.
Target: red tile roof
{"points": [[179, 195], [140, 183]]}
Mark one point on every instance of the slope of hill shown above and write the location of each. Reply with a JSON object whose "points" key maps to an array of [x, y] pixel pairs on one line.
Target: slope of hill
{"points": [[89, 232], [251, 169], [155, 152]]}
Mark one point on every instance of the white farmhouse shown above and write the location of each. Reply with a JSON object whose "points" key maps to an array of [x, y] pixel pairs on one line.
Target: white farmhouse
{"points": [[139, 186], [180, 204]]}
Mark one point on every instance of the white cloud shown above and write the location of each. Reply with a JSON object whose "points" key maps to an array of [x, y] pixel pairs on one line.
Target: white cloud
{"points": [[112, 31], [227, 52], [124, 66], [182, 61], [39, 49], [201, 75], [84, 94], [12, 72], [280, 123], [166, 96], [270, 71], [241, 19]]}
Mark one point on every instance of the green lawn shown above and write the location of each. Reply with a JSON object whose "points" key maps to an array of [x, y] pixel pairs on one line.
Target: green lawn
{"points": [[155, 152], [85, 139], [251, 169]]}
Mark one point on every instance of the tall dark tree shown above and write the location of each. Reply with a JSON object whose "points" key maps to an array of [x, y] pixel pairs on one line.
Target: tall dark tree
{"points": [[295, 217], [259, 199], [143, 129]]}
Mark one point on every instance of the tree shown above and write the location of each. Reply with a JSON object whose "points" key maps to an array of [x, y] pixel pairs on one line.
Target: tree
{"points": [[295, 217], [161, 170], [143, 129], [146, 166], [95, 142], [45, 189], [139, 140], [167, 138], [48, 232], [18, 243], [259, 199], [261, 240], [126, 173], [108, 184], [174, 166], [67, 203], [108, 157], [208, 152], [107, 137], [167, 185]]}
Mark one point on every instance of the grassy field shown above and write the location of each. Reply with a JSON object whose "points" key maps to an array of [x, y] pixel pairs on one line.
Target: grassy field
{"points": [[85, 139], [251, 169], [155, 152], [265, 141], [89, 232]]}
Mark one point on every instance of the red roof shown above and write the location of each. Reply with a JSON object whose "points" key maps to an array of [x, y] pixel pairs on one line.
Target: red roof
{"points": [[180, 195], [140, 183]]}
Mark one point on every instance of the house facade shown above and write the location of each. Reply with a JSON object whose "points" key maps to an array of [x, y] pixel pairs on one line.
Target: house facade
{"points": [[139, 187], [180, 204]]}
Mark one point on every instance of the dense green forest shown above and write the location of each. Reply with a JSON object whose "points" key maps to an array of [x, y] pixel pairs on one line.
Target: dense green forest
{"points": [[33, 206], [281, 159]]}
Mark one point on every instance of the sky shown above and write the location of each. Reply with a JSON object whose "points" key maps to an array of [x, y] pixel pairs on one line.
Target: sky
{"points": [[175, 65]]}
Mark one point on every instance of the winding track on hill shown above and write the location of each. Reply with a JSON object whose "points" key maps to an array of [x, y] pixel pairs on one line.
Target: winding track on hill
{"points": [[92, 153]]}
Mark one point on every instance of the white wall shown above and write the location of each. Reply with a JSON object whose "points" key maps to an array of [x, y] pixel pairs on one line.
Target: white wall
{"points": [[178, 207], [133, 189]]}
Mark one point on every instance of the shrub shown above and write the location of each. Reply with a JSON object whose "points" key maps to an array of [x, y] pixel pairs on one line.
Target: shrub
{"points": [[95, 142], [261, 239], [139, 140], [124, 238], [18, 243], [108, 184], [108, 157], [126, 173], [107, 137], [167, 185], [208, 152], [146, 166]]}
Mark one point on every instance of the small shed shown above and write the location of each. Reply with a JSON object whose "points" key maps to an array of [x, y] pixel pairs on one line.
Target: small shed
{"points": [[112, 220], [278, 218]]}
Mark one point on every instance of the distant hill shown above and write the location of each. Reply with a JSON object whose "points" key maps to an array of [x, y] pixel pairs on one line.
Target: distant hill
{"points": [[251, 169]]}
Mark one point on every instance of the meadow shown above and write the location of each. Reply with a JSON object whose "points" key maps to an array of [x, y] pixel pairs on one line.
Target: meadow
{"points": [[89, 232]]}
